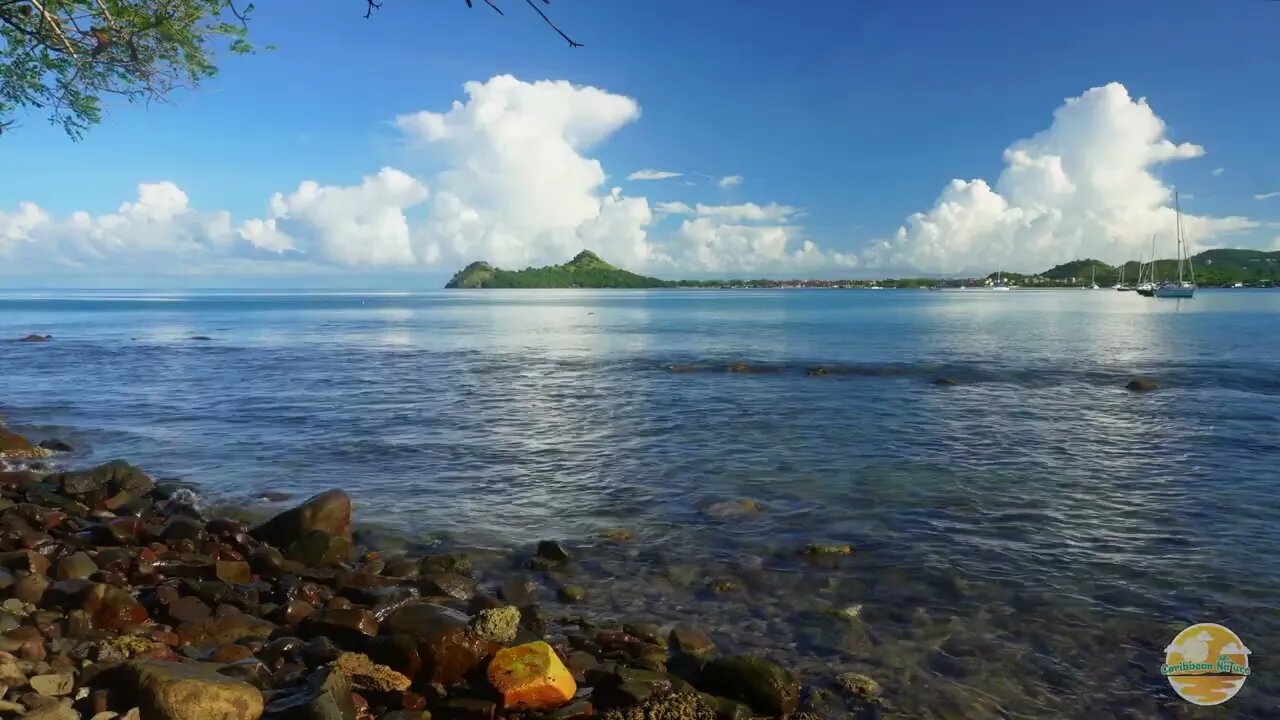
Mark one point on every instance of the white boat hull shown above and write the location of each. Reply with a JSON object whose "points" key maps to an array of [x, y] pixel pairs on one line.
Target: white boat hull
{"points": [[1176, 291]]}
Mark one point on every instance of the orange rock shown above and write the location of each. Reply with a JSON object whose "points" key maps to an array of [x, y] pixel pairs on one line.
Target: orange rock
{"points": [[531, 677]]}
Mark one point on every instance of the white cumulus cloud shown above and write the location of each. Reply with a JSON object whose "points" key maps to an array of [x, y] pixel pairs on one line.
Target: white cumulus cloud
{"points": [[1267, 196], [729, 181], [1217, 171], [158, 227], [651, 174], [1084, 187]]}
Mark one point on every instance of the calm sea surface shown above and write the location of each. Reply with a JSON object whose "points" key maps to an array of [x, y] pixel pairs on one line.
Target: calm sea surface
{"points": [[1028, 539]]}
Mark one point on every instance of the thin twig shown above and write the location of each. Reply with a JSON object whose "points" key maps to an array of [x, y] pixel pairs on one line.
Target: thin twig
{"points": [[373, 5], [495, 7], [107, 14], [244, 21], [57, 28], [572, 43]]}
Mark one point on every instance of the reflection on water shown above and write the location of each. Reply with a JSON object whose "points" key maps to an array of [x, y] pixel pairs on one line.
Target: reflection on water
{"points": [[1028, 539]]}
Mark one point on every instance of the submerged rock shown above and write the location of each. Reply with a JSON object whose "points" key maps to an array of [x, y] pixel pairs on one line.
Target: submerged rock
{"points": [[1142, 385], [766, 687], [858, 685], [572, 594], [819, 549], [553, 551], [35, 338], [944, 381], [733, 509], [57, 446]]}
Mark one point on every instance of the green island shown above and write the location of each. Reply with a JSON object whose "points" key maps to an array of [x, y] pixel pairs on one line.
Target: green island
{"points": [[1218, 267]]}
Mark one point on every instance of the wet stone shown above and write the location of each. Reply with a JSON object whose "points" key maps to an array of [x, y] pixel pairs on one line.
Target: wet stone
{"points": [[53, 684], [519, 591], [190, 691], [345, 625], [188, 609], [766, 687], [232, 571], [449, 584], [553, 551], [691, 641]]}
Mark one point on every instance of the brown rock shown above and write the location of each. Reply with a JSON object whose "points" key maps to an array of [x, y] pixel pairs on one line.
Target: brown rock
{"points": [[25, 561], [368, 675], [446, 648], [75, 565], [31, 588], [230, 653], [226, 629], [233, 571], [188, 609], [191, 691], [13, 445], [111, 478], [296, 611], [113, 608], [54, 684], [449, 584], [342, 625], [329, 512]]}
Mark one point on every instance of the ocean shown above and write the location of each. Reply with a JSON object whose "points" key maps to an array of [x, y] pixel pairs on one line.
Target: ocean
{"points": [[1027, 536]]}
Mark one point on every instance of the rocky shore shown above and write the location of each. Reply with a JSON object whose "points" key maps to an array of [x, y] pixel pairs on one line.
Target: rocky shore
{"points": [[120, 599]]}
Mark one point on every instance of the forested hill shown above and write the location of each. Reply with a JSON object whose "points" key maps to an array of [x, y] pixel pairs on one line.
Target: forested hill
{"points": [[1212, 267], [585, 270]]}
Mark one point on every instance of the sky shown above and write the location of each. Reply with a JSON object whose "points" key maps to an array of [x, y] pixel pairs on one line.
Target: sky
{"points": [[837, 138]]}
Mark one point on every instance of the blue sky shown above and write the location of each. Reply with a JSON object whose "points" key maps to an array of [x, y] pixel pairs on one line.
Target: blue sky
{"points": [[852, 114]]}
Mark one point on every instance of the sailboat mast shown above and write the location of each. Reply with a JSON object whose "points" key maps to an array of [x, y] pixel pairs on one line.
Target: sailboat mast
{"points": [[1177, 209]]}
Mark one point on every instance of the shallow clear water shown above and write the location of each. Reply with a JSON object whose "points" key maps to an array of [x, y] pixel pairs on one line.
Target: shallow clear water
{"points": [[1028, 540]]}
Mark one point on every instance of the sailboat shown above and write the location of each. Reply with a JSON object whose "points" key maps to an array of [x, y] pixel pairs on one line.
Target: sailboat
{"points": [[1148, 288], [1120, 286], [1000, 286], [1182, 288], [1093, 277]]}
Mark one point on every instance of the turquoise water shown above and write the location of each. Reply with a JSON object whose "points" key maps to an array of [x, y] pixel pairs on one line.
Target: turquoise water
{"points": [[1028, 539]]}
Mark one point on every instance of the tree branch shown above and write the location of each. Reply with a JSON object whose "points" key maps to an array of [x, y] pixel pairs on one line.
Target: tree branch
{"points": [[537, 9], [373, 5], [57, 28]]}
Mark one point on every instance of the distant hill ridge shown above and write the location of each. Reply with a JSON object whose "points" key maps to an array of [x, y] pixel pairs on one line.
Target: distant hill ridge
{"points": [[585, 270], [1212, 267], [588, 270]]}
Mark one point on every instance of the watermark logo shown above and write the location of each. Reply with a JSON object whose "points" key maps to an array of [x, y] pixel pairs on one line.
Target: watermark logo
{"points": [[1206, 664]]}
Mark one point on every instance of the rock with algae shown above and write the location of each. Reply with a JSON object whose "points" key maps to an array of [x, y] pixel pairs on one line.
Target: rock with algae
{"points": [[498, 624], [675, 706]]}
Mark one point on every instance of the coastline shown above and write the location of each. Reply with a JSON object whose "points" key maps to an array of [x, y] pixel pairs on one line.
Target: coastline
{"points": [[120, 587]]}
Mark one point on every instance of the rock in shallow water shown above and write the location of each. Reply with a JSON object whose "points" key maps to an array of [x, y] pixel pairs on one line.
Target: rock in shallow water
{"points": [[766, 687], [328, 512]]}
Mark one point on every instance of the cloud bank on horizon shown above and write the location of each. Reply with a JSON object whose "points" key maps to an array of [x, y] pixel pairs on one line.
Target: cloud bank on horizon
{"points": [[520, 188]]}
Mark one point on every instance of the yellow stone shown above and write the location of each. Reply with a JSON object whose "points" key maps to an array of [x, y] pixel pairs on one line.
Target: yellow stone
{"points": [[531, 677]]}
